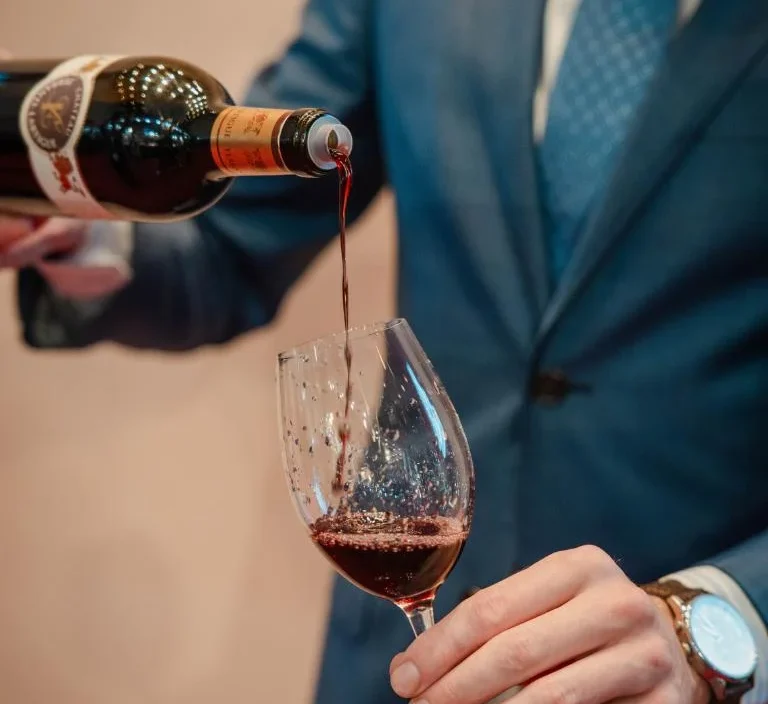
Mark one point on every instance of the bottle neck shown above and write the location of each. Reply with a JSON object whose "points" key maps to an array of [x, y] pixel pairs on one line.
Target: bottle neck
{"points": [[246, 141]]}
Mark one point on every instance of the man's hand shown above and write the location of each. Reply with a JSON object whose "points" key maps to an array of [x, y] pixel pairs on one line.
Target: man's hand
{"points": [[572, 629], [25, 242], [95, 256]]}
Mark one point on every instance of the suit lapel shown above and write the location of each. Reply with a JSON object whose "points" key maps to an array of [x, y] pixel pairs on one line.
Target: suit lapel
{"points": [[511, 127], [498, 68], [704, 61]]}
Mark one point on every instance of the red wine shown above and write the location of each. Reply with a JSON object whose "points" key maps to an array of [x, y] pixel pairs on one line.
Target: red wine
{"points": [[344, 167], [141, 138], [401, 559]]}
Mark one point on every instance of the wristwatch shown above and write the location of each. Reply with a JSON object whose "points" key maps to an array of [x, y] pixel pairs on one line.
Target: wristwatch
{"points": [[715, 638]]}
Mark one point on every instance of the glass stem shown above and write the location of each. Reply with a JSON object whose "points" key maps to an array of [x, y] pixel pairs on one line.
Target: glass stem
{"points": [[421, 617]]}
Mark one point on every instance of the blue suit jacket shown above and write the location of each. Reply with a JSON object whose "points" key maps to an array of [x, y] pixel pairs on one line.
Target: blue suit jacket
{"points": [[659, 453]]}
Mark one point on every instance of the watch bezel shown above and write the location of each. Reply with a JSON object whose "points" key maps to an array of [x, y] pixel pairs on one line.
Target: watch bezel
{"points": [[712, 668]]}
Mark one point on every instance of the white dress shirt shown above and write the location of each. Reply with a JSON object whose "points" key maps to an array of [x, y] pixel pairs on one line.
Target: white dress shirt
{"points": [[110, 253]]}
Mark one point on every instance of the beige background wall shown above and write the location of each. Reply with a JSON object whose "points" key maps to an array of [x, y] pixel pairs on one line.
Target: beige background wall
{"points": [[148, 549]]}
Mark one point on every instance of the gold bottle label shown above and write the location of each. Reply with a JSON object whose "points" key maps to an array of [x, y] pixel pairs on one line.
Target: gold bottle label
{"points": [[246, 141], [51, 120]]}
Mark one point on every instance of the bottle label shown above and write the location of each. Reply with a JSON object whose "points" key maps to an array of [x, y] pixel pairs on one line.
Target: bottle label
{"points": [[51, 121], [246, 141]]}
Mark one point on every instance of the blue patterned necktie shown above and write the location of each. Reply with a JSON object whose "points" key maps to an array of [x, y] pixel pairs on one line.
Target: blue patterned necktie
{"points": [[613, 52]]}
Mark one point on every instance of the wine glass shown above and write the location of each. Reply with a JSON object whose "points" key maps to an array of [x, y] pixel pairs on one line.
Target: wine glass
{"points": [[377, 462]]}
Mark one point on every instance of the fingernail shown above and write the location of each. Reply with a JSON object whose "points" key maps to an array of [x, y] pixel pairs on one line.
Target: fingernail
{"points": [[405, 680], [396, 661]]}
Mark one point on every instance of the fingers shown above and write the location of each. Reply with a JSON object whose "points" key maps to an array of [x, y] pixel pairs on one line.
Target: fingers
{"points": [[82, 283], [525, 596], [55, 236], [537, 647], [625, 671], [14, 228]]}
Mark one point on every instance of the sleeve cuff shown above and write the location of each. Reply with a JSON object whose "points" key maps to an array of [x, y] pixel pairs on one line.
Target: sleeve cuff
{"points": [[718, 582]]}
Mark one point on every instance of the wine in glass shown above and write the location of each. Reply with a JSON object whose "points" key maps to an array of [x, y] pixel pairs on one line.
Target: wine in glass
{"points": [[377, 462]]}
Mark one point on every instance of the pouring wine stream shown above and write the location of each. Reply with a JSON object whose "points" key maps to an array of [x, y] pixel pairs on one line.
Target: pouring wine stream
{"points": [[395, 522]]}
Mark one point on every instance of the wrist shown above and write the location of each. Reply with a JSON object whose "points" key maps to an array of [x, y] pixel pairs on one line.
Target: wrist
{"points": [[701, 691], [715, 637]]}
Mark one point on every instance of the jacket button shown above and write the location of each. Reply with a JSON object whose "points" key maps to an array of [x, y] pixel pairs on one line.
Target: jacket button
{"points": [[551, 387]]}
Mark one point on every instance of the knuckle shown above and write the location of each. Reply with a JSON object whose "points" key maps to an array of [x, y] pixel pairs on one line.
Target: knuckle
{"points": [[519, 656], [487, 611], [594, 559], [659, 658], [633, 607]]}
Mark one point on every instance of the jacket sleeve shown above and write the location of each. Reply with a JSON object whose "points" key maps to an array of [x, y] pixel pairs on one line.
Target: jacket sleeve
{"points": [[207, 280], [747, 564], [740, 575]]}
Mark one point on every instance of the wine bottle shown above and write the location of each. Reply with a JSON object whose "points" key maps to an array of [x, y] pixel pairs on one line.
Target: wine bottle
{"points": [[142, 139]]}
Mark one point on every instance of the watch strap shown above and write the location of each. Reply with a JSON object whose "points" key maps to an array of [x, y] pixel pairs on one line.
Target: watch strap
{"points": [[667, 589], [734, 694]]}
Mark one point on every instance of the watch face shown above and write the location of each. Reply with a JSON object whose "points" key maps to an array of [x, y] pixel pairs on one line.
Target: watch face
{"points": [[722, 637]]}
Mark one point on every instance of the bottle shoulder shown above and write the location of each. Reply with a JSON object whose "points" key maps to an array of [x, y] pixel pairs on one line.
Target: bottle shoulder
{"points": [[169, 88]]}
